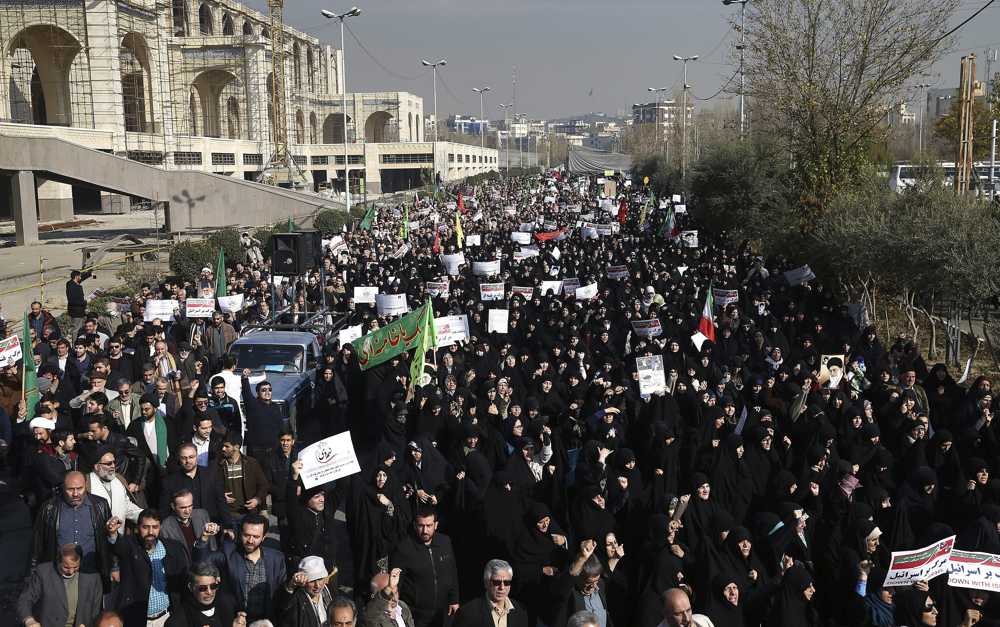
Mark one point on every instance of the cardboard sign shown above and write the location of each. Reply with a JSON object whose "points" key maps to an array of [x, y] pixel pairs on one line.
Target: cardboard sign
{"points": [[365, 294], [555, 287], [452, 263], [473, 240], [451, 329], [498, 321], [651, 376], [525, 292], [617, 272], [909, 567], [586, 292], [328, 460], [199, 307], [724, 297], [162, 309], [486, 268], [678, 209], [437, 288], [391, 304], [980, 571], [689, 239], [10, 351], [520, 237], [491, 291], [348, 335], [647, 328], [231, 304]]}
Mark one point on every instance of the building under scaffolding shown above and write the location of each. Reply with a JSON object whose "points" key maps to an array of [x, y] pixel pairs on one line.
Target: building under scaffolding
{"points": [[185, 84]]}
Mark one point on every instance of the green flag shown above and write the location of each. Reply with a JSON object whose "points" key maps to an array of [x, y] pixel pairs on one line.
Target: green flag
{"points": [[220, 274], [29, 374], [428, 340], [366, 222], [404, 228], [291, 225], [393, 339]]}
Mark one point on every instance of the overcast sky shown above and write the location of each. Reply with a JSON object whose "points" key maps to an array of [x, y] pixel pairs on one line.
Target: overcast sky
{"points": [[562, 49]]}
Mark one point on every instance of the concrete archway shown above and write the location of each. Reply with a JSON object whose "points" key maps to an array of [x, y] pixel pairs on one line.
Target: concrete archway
{"points": [[300, 127], [377, 127], [40, 58], [313, 128], [210, 86], [206, 23], [133, 57], [333, 128], [248, 28], [227, 25]]}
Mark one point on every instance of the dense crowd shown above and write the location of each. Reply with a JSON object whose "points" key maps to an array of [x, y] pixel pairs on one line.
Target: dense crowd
{"points": [[525, 479]]}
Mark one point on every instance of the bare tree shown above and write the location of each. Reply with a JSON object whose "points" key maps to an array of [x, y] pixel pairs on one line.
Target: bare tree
{"points": [[822, 74]]}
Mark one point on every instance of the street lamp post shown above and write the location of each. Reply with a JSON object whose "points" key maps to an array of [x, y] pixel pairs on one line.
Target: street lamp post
{"points": [[684, 112], [922, 89], [741, 47], [506, 125], [354, 12], [482, 112], [658, 117], [434, 69]]}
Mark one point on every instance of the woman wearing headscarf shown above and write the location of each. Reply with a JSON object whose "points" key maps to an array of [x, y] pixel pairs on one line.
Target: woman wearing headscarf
{"points": [[377, 519], [538, 554], [662, 566], [914, 607], [918, 496], [701, 509], [330, 401], [725, 601], [793, 601], [731, 482]]}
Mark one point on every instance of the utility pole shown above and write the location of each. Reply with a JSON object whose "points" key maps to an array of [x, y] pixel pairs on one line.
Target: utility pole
{"points": [[993, 162], [684, 112], [330, 15], [482, 112], [506, 125], [922, 89], [741, 47], [434, 69], [963, 164]]}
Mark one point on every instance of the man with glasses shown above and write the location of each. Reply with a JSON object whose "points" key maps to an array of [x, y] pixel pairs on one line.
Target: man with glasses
{"points": [[104, 482], [264, 419], [122, 365], [204, 602], [496, 608], [582, 587], [202, 483]]}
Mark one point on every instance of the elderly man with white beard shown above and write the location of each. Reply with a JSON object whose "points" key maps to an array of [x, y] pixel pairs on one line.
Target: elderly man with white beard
{"points": [[103, 481]]}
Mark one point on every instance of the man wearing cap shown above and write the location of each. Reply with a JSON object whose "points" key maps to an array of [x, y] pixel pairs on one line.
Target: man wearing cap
{"points": [[310, 598], [104, 482]]}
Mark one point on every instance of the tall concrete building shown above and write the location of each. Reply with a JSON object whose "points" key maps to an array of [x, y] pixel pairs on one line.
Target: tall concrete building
{"points": [[187, 85]]}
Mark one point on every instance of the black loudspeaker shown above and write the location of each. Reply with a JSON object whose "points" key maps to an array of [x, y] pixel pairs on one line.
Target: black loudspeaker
{"points": [[285, 255], [310, 250]]}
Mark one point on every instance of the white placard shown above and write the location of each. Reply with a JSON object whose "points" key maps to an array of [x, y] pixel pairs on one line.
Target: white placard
{"points": [[438, 288], [199, 307], [348, 335], [474, 240], [588, 232], [451, 329], [391, 304], [681, 270], [525, 292], [365, 294], [497, 321], [491, 291], [556, 253], [452, 263], [162, 309], [652, 379], [520, 237], [231, 304], [647, 328], [980, 571], [550, 286], [586, 292], [605, 230], [328, 460], [909, 567], [689, 239], [526, 227], [570, 284], [10, 351], [617, 272], [798, 276], [698, 339], [486, 268], [724, 297], [676, 198], [679, 209]]}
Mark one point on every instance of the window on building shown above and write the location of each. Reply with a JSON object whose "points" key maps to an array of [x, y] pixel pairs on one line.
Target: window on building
{"points": [[297, 65], [180, 15], [205, 25], [247, 28], [227, 25]]}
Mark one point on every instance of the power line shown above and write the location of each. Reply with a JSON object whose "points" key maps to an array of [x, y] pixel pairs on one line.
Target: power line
{"points": [[401, 77], [448, 90], [721, 89], [962, 23]]}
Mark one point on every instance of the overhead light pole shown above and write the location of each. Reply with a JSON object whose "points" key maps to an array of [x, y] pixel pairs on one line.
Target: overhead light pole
{"points": [[741, 47], [684, 113], [482, 112], [506, 125], [434, 69], [330, 15], [922, 89]]}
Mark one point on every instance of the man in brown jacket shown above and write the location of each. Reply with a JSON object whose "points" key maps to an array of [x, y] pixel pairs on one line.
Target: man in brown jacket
{"points": [[242, 479], [216, 340]]}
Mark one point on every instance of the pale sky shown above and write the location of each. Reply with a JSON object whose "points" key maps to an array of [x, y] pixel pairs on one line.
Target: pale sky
{"points": [[562, 49]]}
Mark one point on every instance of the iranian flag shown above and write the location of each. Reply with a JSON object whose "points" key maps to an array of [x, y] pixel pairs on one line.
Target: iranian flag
{"points": [[669, 228], [707, 323]]}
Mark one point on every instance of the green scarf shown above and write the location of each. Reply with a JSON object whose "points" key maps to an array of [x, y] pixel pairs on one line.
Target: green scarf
{"points": [[162, 446]]}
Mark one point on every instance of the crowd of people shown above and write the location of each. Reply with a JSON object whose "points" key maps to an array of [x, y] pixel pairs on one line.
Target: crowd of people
{"points": [[525, 479]]}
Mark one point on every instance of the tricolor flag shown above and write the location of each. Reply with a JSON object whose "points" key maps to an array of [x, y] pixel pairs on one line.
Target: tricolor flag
{"points": [[669, 229], [707, 323], [459, 234]]}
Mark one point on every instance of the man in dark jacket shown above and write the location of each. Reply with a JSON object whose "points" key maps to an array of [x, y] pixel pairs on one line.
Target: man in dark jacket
{"points": [[429, 584], [152, 569], [310, 520], [486, 610], [277, 469], [57, 593], [156, 436], [264, 419], [204, 602], [241, 479], [583, 587], [76, 301], [202, 482]]}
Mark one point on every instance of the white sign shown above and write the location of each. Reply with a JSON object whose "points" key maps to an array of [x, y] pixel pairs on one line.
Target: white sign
{"points": [[525, 292], [162, 309], [473, 240], [569, 285], [451, 329], [651, 376], [586, 292], [486, 268], [676, 198], [365, 294], [617, 272], [391, 304], [689, 239], [491, 291], [724, 297], [348, 335], [550, 286], [605, 230], [799, 275], [678, 209], [199, 307], [10, 351], [527, 227], [980, 571], [909, 567], [520, 237], [451, 263], [497, 321], [231, 304], [698, 339], [647, 328], [437, 288], [328, 460]]}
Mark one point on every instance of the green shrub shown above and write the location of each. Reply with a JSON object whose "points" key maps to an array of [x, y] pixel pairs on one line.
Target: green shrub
{"points": [[188, 258], [330, 221], [228, 240]]}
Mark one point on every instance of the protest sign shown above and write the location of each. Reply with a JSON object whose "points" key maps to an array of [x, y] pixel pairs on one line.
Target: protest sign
{"points": [[473, 240], [452, 263], [497, 321], [10, 351], [679, 209], [647, 328], [391, 304], [231, 304], [491, 291], [162, 309], [798, 276], [527, 227], [348, 335], [556, 253], [980, 571], [525, 292], [199, 307], [328, 460], [689, 239], [402, 250], [698, 339], [588, 232], [365, 294], [909, 567], [681, 270], [724, 297], [570, 284], [651, 377], [617, 272], [550, 286], [605, 230], [520, 237], [486, 268], [437, 288], [586, 292], [451, 329], [676, 198]]}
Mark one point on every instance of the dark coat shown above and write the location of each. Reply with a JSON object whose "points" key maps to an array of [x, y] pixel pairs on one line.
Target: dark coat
{"points": [[137, 576], [46, 540], [430, 576], [479, 613], [299, 611], [76, 300], [184, 612], [204, 486], [44, 598], [231, 562], [311, 533]]}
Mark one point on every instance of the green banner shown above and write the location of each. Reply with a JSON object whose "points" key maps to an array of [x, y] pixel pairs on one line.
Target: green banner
{"points": [[29, 375], [393, 339]]}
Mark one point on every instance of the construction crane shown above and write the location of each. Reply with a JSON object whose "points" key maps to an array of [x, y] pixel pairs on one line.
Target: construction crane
{"points": [[280, 168], [964, 177]]}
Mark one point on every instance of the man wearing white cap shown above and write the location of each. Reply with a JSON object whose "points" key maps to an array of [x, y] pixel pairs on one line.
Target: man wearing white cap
{"points": [[307, 606]]}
